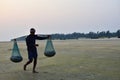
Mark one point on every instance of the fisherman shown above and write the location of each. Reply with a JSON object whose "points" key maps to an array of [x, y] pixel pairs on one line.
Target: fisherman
{"points": [[31, 48]]}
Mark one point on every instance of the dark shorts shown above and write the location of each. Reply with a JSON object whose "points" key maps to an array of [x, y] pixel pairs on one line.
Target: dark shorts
{"points": [[32, 55]]}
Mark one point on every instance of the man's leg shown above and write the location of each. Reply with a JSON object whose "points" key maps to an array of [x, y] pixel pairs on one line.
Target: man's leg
{"points": [[34, 65], [30, 61]]}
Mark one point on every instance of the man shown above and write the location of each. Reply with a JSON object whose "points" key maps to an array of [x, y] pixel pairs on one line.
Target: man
{"points": [[31, 47]]}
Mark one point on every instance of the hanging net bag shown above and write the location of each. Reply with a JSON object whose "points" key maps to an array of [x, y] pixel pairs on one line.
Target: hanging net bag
{"points": [[49, 49], [16, 56]]}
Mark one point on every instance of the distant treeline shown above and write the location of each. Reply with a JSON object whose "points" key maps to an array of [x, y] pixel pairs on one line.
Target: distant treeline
{"points": [[91, 35], [77, 35]]}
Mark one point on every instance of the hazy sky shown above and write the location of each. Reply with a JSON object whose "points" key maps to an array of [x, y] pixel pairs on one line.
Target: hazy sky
{"points": [[57, 16]]}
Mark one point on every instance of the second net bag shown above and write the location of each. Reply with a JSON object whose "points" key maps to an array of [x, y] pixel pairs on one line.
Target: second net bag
{"points": [[16, 56], [49, 49]]}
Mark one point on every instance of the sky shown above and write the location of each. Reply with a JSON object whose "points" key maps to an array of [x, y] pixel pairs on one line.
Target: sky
{"points": [[57, 16]]}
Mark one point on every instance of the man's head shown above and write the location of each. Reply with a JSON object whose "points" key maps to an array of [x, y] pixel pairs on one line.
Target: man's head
{"points": [[32, 31]]}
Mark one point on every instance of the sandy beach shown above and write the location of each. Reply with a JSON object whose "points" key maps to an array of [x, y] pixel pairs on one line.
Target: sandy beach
{"points": [[75, 60]]}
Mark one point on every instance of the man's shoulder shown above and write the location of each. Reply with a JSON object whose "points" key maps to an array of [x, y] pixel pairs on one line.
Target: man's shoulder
{"points": [[29, 36]]}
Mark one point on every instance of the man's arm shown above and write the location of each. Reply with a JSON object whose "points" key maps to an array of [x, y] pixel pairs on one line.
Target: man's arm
{"points": [[42, 38]]}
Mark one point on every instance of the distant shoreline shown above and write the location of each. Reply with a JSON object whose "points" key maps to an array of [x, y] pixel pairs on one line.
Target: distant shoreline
{"points": [[70, 39]]}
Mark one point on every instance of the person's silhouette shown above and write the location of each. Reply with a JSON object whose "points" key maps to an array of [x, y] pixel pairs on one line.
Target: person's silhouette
{"points": [[31, 48]]}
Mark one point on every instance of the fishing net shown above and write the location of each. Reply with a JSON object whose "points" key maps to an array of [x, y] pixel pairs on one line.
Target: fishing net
{"points": [[16, 56], [49, 49]]}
